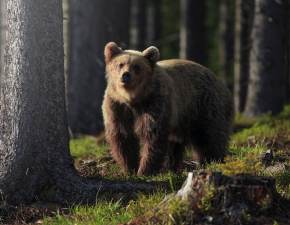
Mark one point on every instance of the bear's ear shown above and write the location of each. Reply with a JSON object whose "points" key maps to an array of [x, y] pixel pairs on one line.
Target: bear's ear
{"points": [[111, 50], [152, 53]]}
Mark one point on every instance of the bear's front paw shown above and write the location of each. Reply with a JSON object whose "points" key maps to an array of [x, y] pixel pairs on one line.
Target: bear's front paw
{"points": [[140, 172], [146, 171]]}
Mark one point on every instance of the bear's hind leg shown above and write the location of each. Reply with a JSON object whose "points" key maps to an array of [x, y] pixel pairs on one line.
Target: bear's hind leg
{"points": [[176, 156], [211, 145]]}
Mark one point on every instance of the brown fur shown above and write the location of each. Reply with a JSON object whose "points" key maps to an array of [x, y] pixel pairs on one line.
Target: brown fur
{"points": [[167, 106]]}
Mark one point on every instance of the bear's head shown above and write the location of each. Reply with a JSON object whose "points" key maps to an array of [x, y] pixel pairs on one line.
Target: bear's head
{"points": [[129, 73]]}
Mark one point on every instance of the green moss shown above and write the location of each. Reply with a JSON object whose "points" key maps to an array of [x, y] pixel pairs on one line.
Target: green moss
{"points": [[243, 121], [265, 126], [241, 152], [86, 146], [283, 183], [206, 201], [262, 130], [257, 131], [249, 164]]}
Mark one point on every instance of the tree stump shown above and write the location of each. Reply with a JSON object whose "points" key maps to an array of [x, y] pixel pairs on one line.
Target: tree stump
{"points": [[214, 198]]}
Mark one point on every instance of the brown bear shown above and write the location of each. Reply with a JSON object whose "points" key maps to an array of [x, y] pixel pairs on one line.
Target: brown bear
{"points": [[162, 107]]}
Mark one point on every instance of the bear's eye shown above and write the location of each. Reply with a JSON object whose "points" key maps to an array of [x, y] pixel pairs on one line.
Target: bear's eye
{"points": [[136, 68], [121, 65]]}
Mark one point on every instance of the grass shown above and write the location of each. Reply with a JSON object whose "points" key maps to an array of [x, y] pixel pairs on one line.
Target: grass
{"points": [[87, 147], [107, 212], [246, 147], [264, 127], [101, 213]]}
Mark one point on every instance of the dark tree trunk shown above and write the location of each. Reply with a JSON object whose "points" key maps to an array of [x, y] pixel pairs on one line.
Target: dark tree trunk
{"points": [[138, 24], [34, 152], [287, 54], [266, 91], [117, 29], [92, 25], [226, 36], [243, 25], [193, 30], [154, 26]]}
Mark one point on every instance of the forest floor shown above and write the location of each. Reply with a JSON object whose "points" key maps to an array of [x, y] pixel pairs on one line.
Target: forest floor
{"points": [[259, 147]]}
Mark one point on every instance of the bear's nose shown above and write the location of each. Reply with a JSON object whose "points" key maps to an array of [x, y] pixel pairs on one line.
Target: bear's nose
{"points": [[126, 78]]}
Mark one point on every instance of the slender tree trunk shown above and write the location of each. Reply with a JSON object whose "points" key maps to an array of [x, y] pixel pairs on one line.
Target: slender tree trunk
{"points": [[266, 92], [243, 26], [85, 79], [65, 7], [193, 30], [118, 29], [92, 25], [154, 18], [226, 46], [34, 152], [138, 24]]}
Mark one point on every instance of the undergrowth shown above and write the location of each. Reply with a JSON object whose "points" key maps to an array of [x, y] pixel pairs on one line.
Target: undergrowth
{"points": [[247, 146]]}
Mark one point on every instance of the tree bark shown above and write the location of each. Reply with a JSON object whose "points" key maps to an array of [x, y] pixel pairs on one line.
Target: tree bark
{"points": [[138, 24], [34, 153], [243, 26], [287, 53], [92, 25], [1, 34], [154, 25], [193, 30], [266, 91]]}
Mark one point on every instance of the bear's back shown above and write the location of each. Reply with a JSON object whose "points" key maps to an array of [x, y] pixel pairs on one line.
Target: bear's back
{"points": [[177, 68], [189, 79], [192, 85]]}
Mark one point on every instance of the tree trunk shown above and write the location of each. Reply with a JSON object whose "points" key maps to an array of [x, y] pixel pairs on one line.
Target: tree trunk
{"points": [[243, 26], [138, 24], [1, 34], [193, 30], [34, 152], [266, 91], [154, 26], [226, 43], [92, 25], [287, 53]]}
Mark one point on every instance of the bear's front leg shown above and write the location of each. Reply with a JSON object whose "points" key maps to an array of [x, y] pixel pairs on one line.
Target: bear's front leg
{"points": [[122, 140], [124, 148], [153, 133]]}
